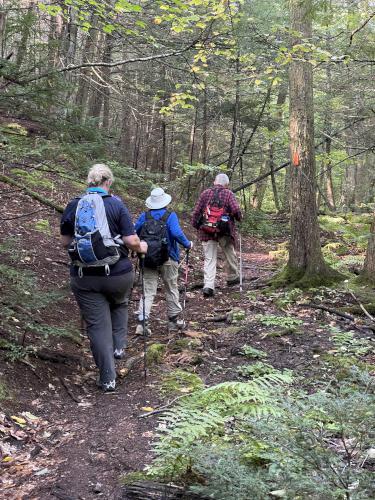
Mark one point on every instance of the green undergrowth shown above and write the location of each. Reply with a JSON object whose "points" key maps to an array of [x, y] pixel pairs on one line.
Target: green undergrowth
{"points": [[21, 305], [180, 382], [264, 436]]}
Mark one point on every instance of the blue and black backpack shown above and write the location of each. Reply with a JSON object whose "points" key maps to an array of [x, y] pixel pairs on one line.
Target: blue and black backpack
{"points": [[93, 244]]}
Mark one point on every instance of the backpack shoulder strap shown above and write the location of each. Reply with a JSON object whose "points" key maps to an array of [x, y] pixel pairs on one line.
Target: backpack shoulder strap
{"points": [[165, 216], [215, 198], [148, 215]]}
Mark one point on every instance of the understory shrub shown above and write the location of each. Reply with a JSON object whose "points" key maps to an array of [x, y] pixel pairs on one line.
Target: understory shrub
{"points": [[263, 438]]}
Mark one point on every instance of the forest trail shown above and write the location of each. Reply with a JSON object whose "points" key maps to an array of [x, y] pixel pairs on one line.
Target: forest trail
{"points": [[72, 441], [83, 440]]}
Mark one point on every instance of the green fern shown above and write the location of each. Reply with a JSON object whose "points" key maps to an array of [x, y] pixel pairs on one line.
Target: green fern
{"points": [[204, 417]]}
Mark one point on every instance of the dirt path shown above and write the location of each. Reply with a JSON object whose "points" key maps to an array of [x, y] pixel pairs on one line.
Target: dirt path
{"points": [[84, 440]]}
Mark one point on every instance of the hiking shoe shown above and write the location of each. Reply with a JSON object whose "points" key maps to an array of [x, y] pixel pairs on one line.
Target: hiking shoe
{"points": [[109, 386], [139, 329], [233, 282], [175, 324], [118, 353], [208, 292]]}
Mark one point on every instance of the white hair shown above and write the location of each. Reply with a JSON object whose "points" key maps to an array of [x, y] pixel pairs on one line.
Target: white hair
{"points": [[98, 174], [222, 179]]}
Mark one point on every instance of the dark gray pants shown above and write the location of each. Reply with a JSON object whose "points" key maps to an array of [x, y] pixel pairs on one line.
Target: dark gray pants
{"points": [[103, 301]]}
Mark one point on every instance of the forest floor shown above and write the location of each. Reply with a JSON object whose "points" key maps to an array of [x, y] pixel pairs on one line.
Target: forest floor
{"points": [[61, 437]]}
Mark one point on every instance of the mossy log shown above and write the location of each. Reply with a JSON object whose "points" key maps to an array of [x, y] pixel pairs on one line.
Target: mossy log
{"points": [[33, 194]]}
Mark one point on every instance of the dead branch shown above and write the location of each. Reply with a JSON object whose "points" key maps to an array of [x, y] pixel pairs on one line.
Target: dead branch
{"points": [[69, 392], [360, 27], [33, 194], [328, 309], [23, 215], [370, 317]]}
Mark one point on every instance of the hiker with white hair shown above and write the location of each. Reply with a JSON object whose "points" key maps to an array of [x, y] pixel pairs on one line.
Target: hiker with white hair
{"points": [[213, 216], [160, 228], [97, 231]]}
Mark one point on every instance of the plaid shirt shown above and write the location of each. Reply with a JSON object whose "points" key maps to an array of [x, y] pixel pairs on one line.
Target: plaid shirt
{"points": [[230, 205]]}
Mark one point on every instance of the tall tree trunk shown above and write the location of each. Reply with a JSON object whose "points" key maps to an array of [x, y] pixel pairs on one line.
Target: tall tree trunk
{"points": [[107, 55], [236, 109], [273, 178], [2, 28], [27, 23], [306, 264], [260, 187], [368, 273], [204, 128]]}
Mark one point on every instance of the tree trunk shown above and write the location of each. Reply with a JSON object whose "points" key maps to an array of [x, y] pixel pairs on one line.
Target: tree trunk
{"points": [[273, 178], [2, 28], [236, 109], [107, 56], [260, 188], [27, 23], [306, 265], [368, 273]]}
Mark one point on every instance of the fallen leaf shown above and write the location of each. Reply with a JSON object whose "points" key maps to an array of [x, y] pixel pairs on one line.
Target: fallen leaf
{"points": [[7, 459], [147, 408], [20, 421]]}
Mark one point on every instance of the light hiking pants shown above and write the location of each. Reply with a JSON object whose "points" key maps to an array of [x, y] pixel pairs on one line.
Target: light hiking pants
{"points": [[210, 260], [103, 301], [169, 274]]}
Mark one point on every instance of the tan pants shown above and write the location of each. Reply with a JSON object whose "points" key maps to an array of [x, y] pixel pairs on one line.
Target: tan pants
{"points": [[169, 275], [210, 260]]}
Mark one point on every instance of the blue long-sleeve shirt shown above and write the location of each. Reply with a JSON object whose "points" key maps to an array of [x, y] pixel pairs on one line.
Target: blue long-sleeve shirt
{"points": [[174, 231]]}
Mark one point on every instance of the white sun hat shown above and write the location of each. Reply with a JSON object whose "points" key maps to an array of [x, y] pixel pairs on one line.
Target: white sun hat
{"points": [[158, 199]]}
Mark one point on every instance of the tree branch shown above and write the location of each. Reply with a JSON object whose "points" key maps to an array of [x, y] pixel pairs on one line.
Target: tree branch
{"points": [[360, 27]]}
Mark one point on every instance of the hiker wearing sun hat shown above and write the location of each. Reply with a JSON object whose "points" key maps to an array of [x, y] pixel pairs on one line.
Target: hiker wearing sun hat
{"points": [[160, 228]]}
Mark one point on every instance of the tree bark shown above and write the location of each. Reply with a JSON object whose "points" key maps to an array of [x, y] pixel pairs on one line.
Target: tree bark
{"points": [[306, 264], [368, 273]]}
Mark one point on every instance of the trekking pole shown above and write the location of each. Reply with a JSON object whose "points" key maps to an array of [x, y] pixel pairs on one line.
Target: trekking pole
{"points": [[142, 272], [239, 234], [185, 281]]}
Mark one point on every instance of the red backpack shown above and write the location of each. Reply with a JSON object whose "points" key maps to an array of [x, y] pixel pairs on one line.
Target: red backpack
{"points": [[213, 214]]}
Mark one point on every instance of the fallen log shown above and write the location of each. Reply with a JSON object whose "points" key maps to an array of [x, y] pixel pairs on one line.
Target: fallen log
{"points": [[148, 490], [33, 194], [328, 309]]}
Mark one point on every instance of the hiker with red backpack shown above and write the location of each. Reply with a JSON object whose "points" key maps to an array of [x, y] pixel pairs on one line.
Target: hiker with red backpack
{"points": [[160, 229], [213, 216]]}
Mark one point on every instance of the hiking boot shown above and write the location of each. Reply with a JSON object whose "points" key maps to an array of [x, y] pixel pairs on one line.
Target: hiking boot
{"points": [[109, 386], [118, 353], [139, 329], [233, 282], [175, 324], [208, 292]]}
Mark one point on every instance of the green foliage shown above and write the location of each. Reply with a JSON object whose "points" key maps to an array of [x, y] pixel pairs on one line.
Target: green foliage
{"points": [[260, 224], [353, 231], [180, 382], [43, 226], [259, 369], [33, 179], [22, 302], [252, 353], [155, 353], [220, 442], [347, 344], [204, 416], [282, 321]]}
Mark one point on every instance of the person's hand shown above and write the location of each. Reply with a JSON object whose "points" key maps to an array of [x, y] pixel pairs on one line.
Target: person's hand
{"points": [[143, 246], [191, 245]]}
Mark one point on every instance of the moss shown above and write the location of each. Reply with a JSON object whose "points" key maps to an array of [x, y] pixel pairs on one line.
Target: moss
{"points": [[33, 179], [155, 353], [133, 477], [43, 226], [343, 365], [185, 344], [180, 381], [304, 279]]}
